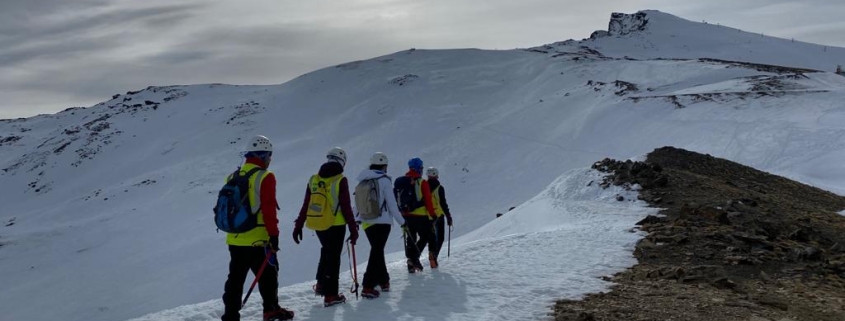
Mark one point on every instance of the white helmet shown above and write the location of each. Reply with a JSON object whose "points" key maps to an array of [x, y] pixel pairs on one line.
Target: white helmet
{"points": [[259, 144], [378, 158], [432, 172], [338, 155]]}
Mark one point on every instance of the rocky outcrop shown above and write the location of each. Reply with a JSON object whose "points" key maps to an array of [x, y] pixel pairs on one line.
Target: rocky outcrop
{"points": [[730, 241], [622, 24]]}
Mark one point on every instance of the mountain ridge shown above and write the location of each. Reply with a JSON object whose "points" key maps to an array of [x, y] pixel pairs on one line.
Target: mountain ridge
{"points": [[90, 185]]}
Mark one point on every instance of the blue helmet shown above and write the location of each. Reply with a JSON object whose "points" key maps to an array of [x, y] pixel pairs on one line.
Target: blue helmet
{"points": [[416, 164]]}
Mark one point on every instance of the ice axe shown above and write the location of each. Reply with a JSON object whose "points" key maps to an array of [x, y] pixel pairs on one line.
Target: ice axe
{"points": [[353, 268], [257, 277]]}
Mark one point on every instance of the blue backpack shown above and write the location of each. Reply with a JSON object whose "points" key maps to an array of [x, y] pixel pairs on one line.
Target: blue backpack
{"points": [[233, 213]]}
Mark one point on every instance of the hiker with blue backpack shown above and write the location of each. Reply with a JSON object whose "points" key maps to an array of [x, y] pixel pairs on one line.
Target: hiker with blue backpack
{"points": [[441, 208], [376, 209], [414, 200], [327, 210], [246, 210]]}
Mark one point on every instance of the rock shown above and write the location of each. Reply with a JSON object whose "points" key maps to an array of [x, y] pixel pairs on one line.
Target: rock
{"points": [[620, 198], [773, 301], [575, 316], [675, 273], [646, 244], [723, 283], [622, 24], [599, 34], [660, 181], [651, 219]]}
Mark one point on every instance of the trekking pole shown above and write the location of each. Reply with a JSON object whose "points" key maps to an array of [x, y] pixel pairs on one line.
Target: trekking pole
{"points": [[405, 241], [257, 277], [434, 232], [449, 244], [353, 268]]}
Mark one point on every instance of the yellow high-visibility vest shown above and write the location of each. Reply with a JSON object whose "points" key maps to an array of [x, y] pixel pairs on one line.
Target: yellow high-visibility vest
{"points": [[257, 236]]}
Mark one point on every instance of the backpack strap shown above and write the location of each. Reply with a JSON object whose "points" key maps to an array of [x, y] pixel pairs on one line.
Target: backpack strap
{"points": [[416, 184], [256, 192], [334, 191], [378, 191]]}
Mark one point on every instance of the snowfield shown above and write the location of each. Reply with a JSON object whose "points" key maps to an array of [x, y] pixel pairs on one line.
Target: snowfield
{"points": [[106, 210]]}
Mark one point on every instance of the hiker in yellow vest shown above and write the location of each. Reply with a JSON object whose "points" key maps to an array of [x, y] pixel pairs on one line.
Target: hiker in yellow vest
{"points": [[247, 250], [376, 205], [327, 209], [441, 208]]}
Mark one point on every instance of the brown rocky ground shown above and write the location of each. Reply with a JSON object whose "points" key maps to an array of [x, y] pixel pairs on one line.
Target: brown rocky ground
{"points": [[731, 243]]}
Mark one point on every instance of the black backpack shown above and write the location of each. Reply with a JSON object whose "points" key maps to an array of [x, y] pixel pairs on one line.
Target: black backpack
{"points": [[233, 213], [406, 194]]}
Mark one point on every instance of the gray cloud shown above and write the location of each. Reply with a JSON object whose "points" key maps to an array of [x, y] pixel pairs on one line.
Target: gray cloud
{"points": [[56, 53], [84, 30]]}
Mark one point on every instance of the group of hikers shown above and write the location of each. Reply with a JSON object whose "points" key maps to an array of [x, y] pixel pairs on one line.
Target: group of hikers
{"points": [[246, 209]]}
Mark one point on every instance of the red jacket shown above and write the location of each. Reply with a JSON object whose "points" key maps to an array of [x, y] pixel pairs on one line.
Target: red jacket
{"points": [[426, 190], [269, 204]]}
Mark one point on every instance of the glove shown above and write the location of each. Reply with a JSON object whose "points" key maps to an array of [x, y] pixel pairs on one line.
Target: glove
{"points": [[449, 220], [297, 235], [274, 243], [353, 235]]}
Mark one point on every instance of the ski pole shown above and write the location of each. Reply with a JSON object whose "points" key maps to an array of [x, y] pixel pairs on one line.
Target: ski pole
{"points": [[257, 277], [353, 268], [449, 244]]}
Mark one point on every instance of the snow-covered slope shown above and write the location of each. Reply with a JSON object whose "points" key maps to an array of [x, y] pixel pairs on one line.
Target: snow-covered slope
{"points": [[108, 207]]}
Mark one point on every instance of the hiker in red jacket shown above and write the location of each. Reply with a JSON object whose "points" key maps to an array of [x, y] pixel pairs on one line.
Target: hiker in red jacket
{"points": [[331, 186], [247, 249], [415, 203]]}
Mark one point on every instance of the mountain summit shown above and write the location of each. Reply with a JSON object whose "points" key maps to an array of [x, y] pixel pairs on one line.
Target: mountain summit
{"points": [[652, 34]]}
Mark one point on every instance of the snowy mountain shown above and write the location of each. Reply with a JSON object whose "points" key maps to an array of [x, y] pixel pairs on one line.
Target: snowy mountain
{"points": [[106, 209]]}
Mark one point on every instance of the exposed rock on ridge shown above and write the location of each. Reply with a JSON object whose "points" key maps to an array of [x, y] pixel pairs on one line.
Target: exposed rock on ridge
{"points": [[731, 241]]}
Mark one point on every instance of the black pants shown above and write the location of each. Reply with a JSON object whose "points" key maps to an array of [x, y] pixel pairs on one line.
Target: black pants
{"points": [[435, 243], [376, 273], [328, 270], [244, 259], [420, 229]]}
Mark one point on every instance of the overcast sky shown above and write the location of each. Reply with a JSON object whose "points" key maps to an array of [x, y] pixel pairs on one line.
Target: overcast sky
{"points": [[56, 54]]}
